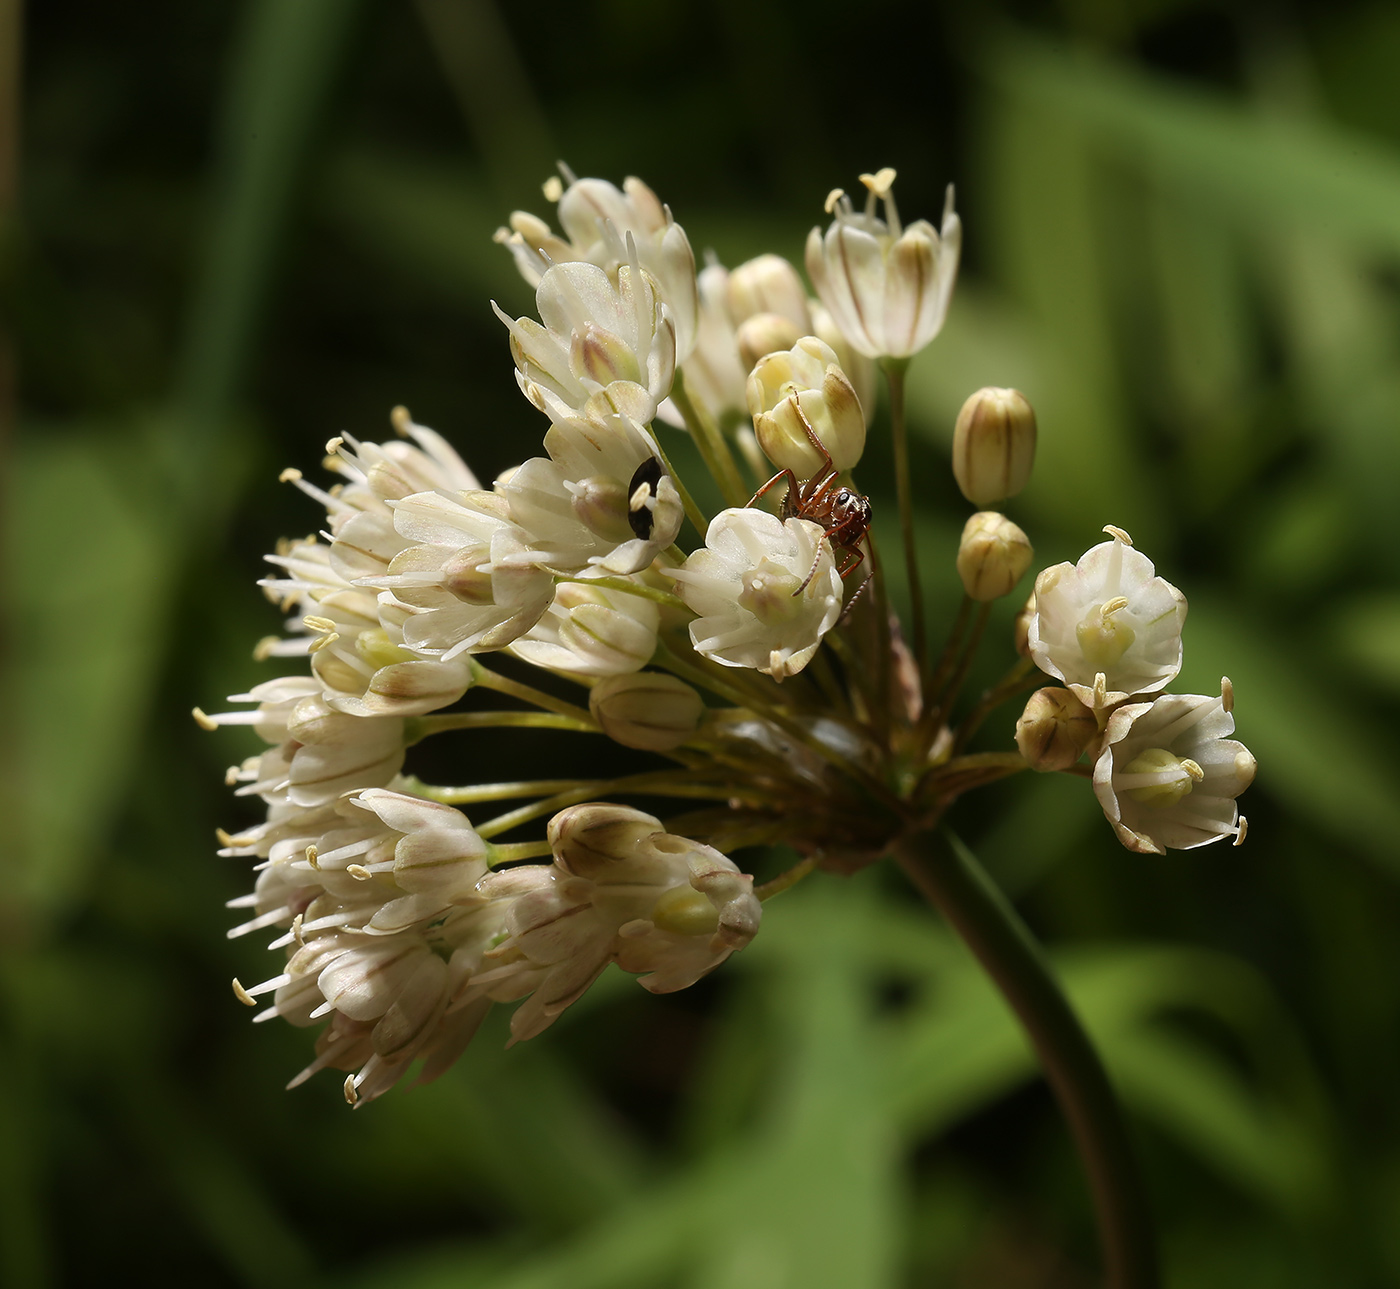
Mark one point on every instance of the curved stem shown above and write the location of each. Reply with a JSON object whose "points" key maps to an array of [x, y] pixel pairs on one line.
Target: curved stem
{"points": [[483, 675], [692, 510], [956, 885], [894, 369], [502, 720], [713, 448], [785, 880]]}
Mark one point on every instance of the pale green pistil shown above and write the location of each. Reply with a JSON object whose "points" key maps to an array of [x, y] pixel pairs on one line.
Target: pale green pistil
{"points": [[1103, 640], [1158, 778], [770, 593]]}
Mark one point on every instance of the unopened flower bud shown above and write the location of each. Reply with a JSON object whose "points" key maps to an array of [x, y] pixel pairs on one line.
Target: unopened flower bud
{"points": [[1054, 730], [992, 556], [764, 334], [768, 284], [1021, 628], [993, 445], [802, 390], [588, 839], [653, 711]]}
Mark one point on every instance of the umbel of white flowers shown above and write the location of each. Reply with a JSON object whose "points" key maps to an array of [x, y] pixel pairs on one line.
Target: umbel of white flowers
{"points": [[401, 921]]}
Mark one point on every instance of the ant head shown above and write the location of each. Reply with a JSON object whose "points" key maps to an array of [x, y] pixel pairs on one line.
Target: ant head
{"points": [[849, 507]]}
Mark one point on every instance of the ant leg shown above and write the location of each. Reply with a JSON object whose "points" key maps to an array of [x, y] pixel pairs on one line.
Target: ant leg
{"points": [[830, 467], [782, 474], [811, 573], [850, 568]]}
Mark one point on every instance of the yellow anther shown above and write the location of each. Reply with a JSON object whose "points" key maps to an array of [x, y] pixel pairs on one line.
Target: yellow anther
{"points": [[262, 651], [1118, 534], [202, 720], [553, 188], [1114, 605], [242, 994], [1227, 694], [359, 872], [832, 198], [296, 930], [1192, 768], [881, 181], [313, 857], [290, 475], [400, 419], [314, 622], [334, 445], [1243, 829], [351, 1096]]}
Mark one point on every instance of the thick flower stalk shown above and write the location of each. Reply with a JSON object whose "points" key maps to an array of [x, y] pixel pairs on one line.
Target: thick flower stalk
{"points": [[751, 654]]}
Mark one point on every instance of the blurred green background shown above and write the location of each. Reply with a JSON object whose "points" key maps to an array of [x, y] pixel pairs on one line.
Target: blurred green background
{"points": [[233, 230]]}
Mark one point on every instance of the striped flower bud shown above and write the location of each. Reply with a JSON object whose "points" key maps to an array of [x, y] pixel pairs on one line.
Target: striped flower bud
{"points": [[993, 445], [992, 556], [652, 710]]}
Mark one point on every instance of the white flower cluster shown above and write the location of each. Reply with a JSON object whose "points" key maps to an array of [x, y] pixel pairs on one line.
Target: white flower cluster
{"points": [[1165, 771], [396, 924]]}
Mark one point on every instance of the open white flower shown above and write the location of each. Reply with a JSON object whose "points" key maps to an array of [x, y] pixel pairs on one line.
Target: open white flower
{"points": [[887, 286], [602, 497], [595, 336], [385, 926], [597, 219], [766, 590], [471, 582], [621, 889], [320, 752], [1168, 774], [351, 632], [1107, 626]]}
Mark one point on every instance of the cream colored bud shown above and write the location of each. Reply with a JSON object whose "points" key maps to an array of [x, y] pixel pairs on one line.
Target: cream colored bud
{"points": [[993, 445], [805, 389], [764, 334], [992, 556], [768, 284], [1021, 629], [653, 711], [1055, 729], [590, 838]]}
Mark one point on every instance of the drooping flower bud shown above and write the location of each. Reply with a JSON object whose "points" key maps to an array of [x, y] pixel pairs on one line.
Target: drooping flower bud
{"points": [[800, 390], [653, 710], [1055, 729], [993, 445], [592, 631], [992, 556]]}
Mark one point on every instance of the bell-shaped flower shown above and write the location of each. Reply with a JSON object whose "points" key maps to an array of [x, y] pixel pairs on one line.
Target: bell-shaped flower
{"points": [[621, 889], [598, 219], [592, 631], [470, 583], [1169, 773], [595, 336], [1107, 626], [802, 394], [766, 590], [887, 286], [602, 497]]}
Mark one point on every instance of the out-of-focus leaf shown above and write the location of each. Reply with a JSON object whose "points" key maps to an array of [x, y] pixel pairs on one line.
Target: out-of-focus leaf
{"points": [[1266, 169], [281, 74], [434, 221], [90, 561], [1048, 225], [1365, 632]]}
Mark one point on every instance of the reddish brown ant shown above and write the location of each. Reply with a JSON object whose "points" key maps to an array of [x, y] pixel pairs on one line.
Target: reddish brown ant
{"points": [[842, 513]]}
